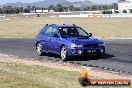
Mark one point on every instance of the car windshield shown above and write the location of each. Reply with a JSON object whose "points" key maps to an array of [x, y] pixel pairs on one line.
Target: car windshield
{"points": [[71, 32]]}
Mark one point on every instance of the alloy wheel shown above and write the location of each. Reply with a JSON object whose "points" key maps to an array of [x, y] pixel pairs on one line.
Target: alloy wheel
{"points": [[63, 53], [39, 49]]}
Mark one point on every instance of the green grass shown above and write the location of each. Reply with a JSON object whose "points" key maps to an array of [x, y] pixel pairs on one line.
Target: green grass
{"points": [[18, 75], [14, 75], [20, 27]]}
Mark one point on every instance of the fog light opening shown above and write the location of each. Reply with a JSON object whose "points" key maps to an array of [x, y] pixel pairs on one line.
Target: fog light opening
{"points": [[79, 52], [74, 51]]}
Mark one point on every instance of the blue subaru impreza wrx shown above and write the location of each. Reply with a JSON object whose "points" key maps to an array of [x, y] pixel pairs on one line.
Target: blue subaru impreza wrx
{"points": [[67, 40]]}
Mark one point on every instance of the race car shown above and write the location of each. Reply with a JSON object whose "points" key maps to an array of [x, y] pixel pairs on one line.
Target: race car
{"points": [[67, 40]]}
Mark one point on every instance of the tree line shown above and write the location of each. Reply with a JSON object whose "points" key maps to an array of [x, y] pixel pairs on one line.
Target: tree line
{"points": [[17, 10], [61, 8], [57, 8], [13, 10]]}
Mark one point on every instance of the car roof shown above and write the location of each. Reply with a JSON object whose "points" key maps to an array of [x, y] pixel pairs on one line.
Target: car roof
{"points": [[63, 25]]}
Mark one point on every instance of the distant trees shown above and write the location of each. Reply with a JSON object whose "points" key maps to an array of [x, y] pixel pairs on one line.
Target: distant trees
{"points": [[114, 6], [0, 11], [57, 8], [101, 7], [130, 10], [26, 10], [107, 12], [61, 8], [11, 10], [16, 10], [121, 0], [71, 7], [124, 11]]}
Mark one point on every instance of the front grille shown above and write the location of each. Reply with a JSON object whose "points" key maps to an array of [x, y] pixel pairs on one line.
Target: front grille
{"points": [[91, 45]]}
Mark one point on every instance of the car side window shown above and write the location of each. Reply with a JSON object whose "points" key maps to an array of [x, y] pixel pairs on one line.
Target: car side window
{"points": [[54, 30], [48, 31], [81, 32]]}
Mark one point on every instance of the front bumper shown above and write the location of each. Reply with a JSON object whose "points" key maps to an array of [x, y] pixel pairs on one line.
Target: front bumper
{"points": [[85, 51]]}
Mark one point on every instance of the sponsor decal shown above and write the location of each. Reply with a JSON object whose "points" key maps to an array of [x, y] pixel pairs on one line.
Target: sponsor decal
{"points": [[86, 81]]}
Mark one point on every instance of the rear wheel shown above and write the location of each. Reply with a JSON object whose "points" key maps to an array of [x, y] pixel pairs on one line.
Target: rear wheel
{"points": [[39, 49], [63, 53]]}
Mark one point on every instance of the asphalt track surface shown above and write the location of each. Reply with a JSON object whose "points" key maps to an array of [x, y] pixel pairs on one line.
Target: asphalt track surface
{"points": [[118, 53]]}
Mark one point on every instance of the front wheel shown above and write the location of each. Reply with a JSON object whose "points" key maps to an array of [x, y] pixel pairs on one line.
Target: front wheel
{"points": [[63, 53]]}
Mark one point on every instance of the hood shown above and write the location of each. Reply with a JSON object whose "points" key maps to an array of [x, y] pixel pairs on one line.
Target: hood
{"points": [[82, 41]]}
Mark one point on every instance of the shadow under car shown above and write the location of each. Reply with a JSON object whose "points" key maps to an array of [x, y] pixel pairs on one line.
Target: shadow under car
{"points": [[88, 58]]}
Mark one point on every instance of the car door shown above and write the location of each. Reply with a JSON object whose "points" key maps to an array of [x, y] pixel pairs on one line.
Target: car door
{"points": [[46, 38], [55, 40]]}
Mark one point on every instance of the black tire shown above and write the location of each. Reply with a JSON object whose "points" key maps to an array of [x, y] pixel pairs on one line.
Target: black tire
{"points": [[99, 56], [63, 53], [39, 49]]}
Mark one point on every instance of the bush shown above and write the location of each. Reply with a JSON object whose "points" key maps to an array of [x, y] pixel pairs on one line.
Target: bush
{"points": [[116, 11], [124, 11], [26, 10], [131, 11], [107, 12]]}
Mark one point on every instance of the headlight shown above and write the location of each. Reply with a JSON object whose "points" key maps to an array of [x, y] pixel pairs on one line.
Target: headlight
{"points": [[103, 44], [75, 46]]}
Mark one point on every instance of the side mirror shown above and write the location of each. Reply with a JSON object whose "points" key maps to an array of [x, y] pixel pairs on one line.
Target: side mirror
{"points": [[56, 35], [90, 34]]}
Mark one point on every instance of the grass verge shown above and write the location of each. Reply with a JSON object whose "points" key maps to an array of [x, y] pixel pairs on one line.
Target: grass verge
{"points": [[100, 27], [17, 74]]}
